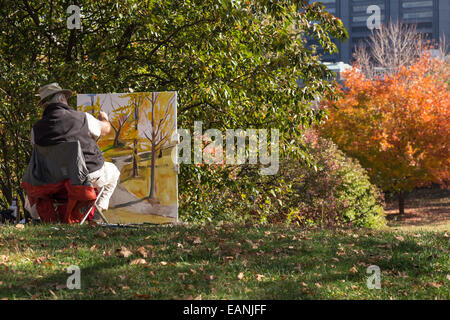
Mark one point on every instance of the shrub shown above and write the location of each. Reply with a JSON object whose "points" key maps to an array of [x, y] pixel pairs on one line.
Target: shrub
{"points": [[335, 190]]}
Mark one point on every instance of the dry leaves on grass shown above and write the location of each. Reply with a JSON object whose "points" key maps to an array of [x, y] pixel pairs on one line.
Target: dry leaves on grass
{"points": [[353, 270], [143, 252], [138, 261], [260, 277], [39, 260], [101, 234], [182, 275], [123, 252], [240, 276], [434, 285]]}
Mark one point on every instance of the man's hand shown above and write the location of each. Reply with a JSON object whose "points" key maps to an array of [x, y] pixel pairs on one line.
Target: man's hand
{"points": [[106, 126], [103, 116]]}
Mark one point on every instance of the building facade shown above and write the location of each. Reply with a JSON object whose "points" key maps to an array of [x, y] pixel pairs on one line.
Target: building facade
{"points": [[432, 17]]}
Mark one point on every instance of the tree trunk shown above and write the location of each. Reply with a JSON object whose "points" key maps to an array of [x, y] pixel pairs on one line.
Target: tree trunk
{"points": [[152, 194], [401, 202], [135, 164]]}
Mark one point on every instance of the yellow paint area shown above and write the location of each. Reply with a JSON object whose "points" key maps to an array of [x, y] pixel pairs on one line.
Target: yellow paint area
{"points": [[123, 216], [165, 179]]}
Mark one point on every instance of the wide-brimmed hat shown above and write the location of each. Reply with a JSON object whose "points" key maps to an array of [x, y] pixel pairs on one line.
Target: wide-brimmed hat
{"points": [[51, 89]]}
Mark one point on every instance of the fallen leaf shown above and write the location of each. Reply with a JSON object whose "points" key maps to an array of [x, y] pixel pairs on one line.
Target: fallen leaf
{"points": [[20, 226], [138, 261], [353, 270], [123, 252], [197, 240], [240, 276], [260, 277], [39, 260], [434, 285], [318, 285], [143, 252], [183, 275], [101, 234], [163, 263], [399, 238]]}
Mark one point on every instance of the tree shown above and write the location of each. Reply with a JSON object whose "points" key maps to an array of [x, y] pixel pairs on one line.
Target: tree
{"points": [[136, 104], [119, 117], [235, 64], [392, 46], [397, 126], [158, 127]]}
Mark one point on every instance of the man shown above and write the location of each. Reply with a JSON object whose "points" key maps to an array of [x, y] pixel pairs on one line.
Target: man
{"points": [[61, 123]]}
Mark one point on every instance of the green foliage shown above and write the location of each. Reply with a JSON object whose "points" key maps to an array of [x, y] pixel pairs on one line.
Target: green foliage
{"points": [[234, 64], [334, 190]]}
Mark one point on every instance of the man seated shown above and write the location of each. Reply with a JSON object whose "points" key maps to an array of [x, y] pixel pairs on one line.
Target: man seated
{"points": [[61, 123]]}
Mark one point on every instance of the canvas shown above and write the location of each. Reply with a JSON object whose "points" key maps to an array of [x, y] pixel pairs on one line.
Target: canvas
{"points": [[140, 144]]}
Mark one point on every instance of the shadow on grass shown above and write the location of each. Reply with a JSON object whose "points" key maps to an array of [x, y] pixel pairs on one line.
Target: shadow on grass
{"points": [[210, 267]]}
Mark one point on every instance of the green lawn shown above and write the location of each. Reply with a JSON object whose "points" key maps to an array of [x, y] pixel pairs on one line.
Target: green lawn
{"points": [[217, 262]]}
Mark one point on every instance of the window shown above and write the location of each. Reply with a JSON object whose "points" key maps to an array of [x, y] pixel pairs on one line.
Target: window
{"points": [[418, 15], [417, 4]]}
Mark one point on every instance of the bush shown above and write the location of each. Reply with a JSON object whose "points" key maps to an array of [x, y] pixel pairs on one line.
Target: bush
{"points": [[335, 190]]}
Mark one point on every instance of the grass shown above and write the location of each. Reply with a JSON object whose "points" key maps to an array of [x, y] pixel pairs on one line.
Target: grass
{"points": [[425, 209], [221, 262]]}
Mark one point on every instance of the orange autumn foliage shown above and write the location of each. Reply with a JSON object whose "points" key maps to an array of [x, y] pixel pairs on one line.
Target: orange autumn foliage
{"points": [[398, 127]]}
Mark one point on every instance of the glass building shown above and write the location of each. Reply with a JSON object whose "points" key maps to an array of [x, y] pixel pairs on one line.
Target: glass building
{"points": [[432, 18]]}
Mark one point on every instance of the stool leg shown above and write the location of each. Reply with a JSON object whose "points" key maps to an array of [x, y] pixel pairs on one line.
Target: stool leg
{"points": [[95, 205]]}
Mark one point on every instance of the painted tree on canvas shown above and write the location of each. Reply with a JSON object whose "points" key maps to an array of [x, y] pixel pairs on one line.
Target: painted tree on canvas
{"points": [[119, 117], [157, 128], [94, 107], [135, 105]]}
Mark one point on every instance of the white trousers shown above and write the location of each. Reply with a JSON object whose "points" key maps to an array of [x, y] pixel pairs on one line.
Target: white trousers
{"points": [[107, 176]]}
